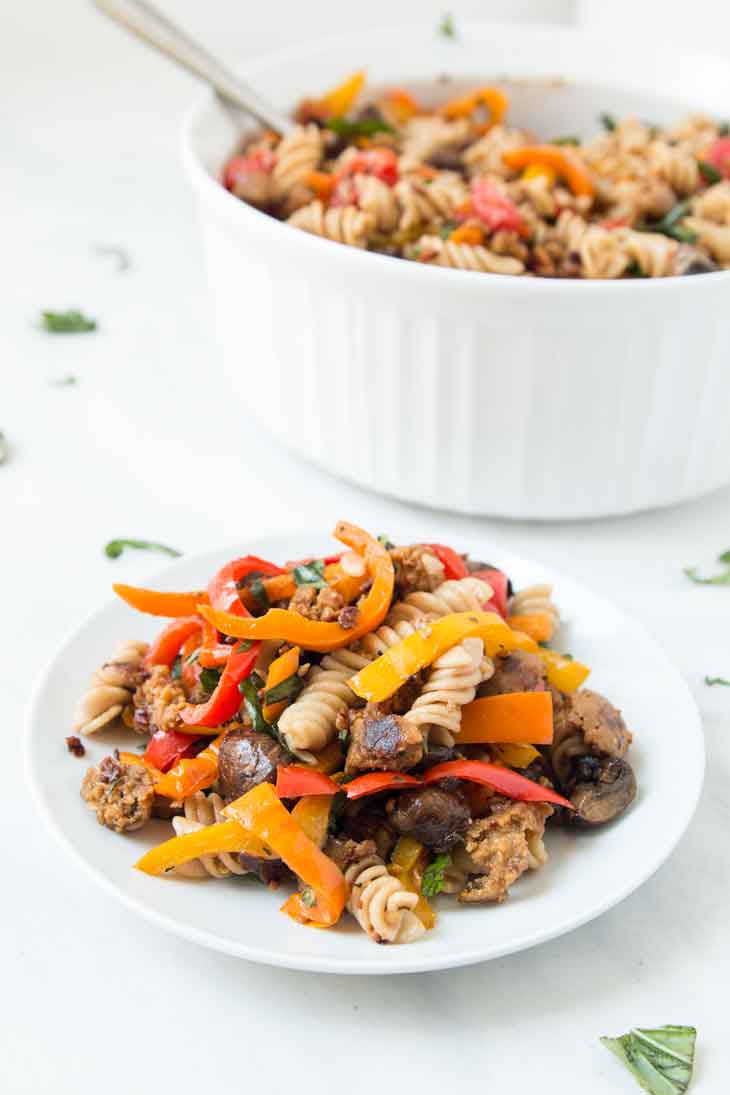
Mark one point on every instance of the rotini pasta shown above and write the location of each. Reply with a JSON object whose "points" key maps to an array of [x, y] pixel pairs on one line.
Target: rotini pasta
{"points": [[422, 201], [298, 153], [111, 689], [451, 683], [714, 204], [678, 167], [201, 810], [342, 224], [599, 250], [380, 904], [464, 256], [714, 237], [308, 724], [537, 598]]}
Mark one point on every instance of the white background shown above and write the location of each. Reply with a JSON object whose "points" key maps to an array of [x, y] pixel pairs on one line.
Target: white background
{"points": [[147, 444]]}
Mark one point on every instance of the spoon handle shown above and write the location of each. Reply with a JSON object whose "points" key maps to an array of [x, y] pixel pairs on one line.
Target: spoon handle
{"points": [[157, 30]]}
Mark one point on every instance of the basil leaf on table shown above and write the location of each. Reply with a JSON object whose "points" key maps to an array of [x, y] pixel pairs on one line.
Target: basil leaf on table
{"points": [[661, 1059]]}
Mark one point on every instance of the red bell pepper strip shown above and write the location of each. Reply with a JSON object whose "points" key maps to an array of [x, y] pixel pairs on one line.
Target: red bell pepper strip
{"points": [[294, 781], [191, 774], [495, 210], [718, 154], [503, 780], [167, 747], [499, 582], [223, 587], [166, 646], [373, 782], [238, 167], [212, 652], [381, 162], [190, 671], [454, 565], [226, 700]]}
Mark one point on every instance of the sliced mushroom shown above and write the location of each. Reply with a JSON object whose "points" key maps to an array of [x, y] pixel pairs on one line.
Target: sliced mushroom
{"points": [[601, 789], [690, 260]]}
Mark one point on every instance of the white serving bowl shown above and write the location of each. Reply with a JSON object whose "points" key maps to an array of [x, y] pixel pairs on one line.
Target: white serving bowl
{"points": [[511, 396]]}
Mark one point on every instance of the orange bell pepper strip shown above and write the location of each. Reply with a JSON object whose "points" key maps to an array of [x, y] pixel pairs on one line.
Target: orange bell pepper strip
{"points": [[135, 758], [339, 100], [212, 653], [322, 184], [402, 104], [538, 625], [191, 774], [283, 667], [563, 672], [225, 836], [166, 646], [386, 674], [565, 162], [467, 233], [514, 717], [492, 98], [155, 603], [262, 815], [292, 627], [312, 814]]}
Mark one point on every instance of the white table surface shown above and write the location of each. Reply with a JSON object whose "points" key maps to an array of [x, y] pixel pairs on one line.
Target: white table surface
{"points": [[94, 999]]}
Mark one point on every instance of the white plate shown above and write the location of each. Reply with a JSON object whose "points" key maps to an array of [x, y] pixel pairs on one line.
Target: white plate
{"points": [[586, 873]]}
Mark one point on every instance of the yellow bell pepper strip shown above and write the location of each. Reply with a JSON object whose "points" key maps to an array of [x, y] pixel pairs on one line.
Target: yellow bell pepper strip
{"points": [[191, 774], [292, 627], [262, 815], [515, 716], [155, 603], [539, 171], [563, 672], [538, 625], [408, 862], [514, 754], [406, 853], [502, 780], [294, 781], [492, 98], [225, 836], [283, 667], [564, 161], [339, 100], [312, 814], [386, 674]]}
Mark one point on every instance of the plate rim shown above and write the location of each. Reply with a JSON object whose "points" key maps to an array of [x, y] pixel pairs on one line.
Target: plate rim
{"points": [[343, 965]]}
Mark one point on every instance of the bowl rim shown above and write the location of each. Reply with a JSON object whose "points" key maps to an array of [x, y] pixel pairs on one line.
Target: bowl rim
{"points": [[417, 273]]}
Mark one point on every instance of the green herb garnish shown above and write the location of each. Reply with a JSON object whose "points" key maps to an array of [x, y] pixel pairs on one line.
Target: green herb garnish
{"points": [[447, 27], [243, 646], [65, 381], [192, 658], [310, 574], [668, 225], [257, 589], [365, 127], [115, 547], [608, 122], [386, 542], [723, 130], [176, 668], [209, 679], [308, 897], [721, 579], [287, 689], [444, 231], [661, 1059], [4, 450], [71, 322], [712, 681], [250, 689], [432, 882], [709, 172], [575, 141]]}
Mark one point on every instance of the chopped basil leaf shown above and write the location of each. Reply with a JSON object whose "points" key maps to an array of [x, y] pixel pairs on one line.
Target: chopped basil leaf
{"points": [[724, 129], [209, 679], [709, 172], [337, 810], [176, 668], [65, 381], [71, 322], [712, 681], [308, 897], [192, 658], [608, 122], [249, 689], [344, 738], [668, 225], [432, 882], [287, 689], [120, 255], [724, 558], [365, 127], [4, 450], [257, 589], [386, 542], [722, 579], [310, 574], [683, 234], [444, 231], [661, 1060], [243, 646], [575, 141], [115, 547], [446, 27]]}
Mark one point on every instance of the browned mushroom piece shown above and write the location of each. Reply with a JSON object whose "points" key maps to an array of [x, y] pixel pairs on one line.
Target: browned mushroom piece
{"points": [[585, 724], [601, 789]]}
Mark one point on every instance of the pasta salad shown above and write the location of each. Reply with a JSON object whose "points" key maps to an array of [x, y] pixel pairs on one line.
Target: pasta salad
{"points": [[365, 730], [461, 185]]}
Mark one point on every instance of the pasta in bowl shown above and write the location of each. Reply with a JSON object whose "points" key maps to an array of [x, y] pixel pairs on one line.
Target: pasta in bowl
{"points": [[366, 730]]}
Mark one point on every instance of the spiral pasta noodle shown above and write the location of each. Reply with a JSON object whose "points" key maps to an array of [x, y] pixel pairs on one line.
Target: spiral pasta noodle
{"points": [[465, 256], [715, 237], [654, 254], [455, 595], [421, 201], [714, 204], [674, 164], [298, 153], [341, 223], [308, 724], [376, 199], [380, 904], [600, 252], [451, 682], [111, 690], [484, 157], [536, 598], [202, 810], [424, 136]]}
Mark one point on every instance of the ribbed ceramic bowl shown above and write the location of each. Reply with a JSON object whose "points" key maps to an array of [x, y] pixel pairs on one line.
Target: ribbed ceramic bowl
{"points": [[517, 397]]}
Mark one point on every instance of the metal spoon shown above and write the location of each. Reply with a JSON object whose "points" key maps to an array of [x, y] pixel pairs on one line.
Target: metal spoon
{"points": [[157, 30]]}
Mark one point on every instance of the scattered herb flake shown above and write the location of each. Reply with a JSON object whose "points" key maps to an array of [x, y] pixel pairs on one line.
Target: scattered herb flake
{"points": [[724, 129], [709, 172], [432, 882], [176, 668], [661, 1060], [308, 897], [446, 27], [120, 255], [608, 122], [668, 225], [310, 574], [365, 127], [209, 679], [712, 681], [444, 231], [115, 547], [287, 689], [71, 322], [257, 589], [250, 688], [721, 579], [243, 646], [65, 381], [386, 542]]}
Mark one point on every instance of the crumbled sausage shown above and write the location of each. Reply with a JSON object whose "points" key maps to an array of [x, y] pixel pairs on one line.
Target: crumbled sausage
{"points": [[317, 604], [348, 617], [416, 569], [158, 701], [502, 846], [585, 723], [383, 741], [517, 672], [75, 746], [121, 794], [345, 852]]}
